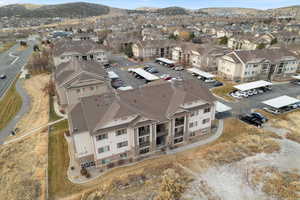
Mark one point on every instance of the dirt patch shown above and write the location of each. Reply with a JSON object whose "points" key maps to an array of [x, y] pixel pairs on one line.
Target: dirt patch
{"points": [[39, 108]]}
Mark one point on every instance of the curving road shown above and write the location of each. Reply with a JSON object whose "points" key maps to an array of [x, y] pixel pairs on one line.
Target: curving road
{"points": [[11, 63]]}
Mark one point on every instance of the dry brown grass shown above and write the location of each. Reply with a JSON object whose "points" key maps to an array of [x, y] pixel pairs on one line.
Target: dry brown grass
{"points": [[282, 185], [23, 168], [39, 107], [238, 141], [223, 91]]}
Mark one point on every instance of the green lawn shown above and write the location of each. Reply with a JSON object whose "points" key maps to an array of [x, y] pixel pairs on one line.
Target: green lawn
{"points": [[9, 105], [58, 163], [52, 115]]}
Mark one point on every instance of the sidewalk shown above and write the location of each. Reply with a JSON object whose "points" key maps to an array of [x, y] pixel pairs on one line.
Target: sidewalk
{"points": [[75, 177], [57, 108]]}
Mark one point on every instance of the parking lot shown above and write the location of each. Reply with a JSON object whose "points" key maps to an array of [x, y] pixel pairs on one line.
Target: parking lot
{"points": [[242, 106], [129, 80]]}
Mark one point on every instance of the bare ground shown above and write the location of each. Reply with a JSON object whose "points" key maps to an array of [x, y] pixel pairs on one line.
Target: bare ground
{"points": [[38, 114], [23, 164]]}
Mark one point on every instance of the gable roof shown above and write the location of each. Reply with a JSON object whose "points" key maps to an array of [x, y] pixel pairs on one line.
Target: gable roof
{"points": [[157, 102]]}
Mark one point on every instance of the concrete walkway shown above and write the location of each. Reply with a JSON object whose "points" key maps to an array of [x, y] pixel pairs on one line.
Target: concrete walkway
{"points": [[24, 109], [57, 109], [32, 132], [75, 177]]}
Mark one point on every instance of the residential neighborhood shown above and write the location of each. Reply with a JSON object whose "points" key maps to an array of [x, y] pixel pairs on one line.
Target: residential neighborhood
{"points": [[164, 101]]}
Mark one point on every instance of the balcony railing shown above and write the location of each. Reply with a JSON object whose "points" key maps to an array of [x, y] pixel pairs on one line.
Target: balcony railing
{"points": [[144, 144]]}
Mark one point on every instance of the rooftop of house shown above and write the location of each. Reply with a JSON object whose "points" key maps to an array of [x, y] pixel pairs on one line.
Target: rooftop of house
{"points": [[65, 72], [272, 55], [79, 47], [156, 102]]}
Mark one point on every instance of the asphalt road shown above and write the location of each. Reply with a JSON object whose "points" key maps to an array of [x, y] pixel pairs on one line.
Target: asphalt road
{"points": [[11, 63]]}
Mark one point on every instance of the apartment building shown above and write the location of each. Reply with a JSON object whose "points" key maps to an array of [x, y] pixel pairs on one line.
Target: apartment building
{"points": [[79, 78], [66, 50], [148, 49], [203, 56], [265, 64], [112, 129]]}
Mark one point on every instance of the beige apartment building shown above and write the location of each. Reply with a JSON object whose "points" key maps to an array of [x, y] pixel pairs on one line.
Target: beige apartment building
{"points": [[78, 78], [86, 50], [265, 64], [112, 129], [148, 49]]}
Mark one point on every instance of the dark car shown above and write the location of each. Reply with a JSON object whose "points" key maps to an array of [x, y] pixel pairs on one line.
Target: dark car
{"points": [[2, 76], [251, 120], [117, 83], [218, 83], [259, 116]]}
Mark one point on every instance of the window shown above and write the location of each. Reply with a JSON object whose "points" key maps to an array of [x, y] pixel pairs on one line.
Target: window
{"points": [[178, 140], [78, 90], [103, 149], [122, 144], [123, 155], [191, 125], [101, 137], [179, 132], [204, 121], [92, 88], [143, 151], [206, 110], [179, 121], [105, 161], [144, 130], [121, 132]]}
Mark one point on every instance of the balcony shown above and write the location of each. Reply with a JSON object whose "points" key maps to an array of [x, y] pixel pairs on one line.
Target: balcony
{"points": [[144, 144]]}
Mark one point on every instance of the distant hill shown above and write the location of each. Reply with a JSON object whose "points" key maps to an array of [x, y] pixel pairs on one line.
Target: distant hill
{"points": [[290, 11], [173, 11], [231, 11], [72, 10]]}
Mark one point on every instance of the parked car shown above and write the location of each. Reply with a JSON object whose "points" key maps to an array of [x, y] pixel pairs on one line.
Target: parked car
{"points": [[295, 82], [2, 76], [250, 120], [218, 83], [152, 70], [117, 83], [259, 117], [178, 68]]}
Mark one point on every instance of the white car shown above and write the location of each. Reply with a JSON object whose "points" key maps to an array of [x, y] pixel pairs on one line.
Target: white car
{"points": [[234, 95], [250, 93], [209, 80], [242, 94]]}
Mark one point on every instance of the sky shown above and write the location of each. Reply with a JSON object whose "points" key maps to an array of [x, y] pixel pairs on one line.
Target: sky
{"points": [[191, 4]]}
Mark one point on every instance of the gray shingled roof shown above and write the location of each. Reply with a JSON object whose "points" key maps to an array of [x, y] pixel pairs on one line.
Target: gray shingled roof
{"points": [[156, 102]]}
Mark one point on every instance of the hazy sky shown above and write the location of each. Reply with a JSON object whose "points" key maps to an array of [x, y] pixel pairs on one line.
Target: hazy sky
{"points": [[193, 4]]}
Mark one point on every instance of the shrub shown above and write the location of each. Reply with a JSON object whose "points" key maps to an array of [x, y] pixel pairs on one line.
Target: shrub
{"points": [[83, 171]]}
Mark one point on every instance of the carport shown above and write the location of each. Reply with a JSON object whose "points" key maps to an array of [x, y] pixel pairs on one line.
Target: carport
{"points": [[279, 103], [252, 85], [222, 110], [146, 75], [203, 74]]}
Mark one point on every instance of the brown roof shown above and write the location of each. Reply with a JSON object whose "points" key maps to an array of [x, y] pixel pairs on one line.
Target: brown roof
{"points": [[156, 102], [273, 55], [81, 47], [66, 71]]}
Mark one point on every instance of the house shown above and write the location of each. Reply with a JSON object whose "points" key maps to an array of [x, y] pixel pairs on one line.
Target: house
{"points": [[78, 78], [287, 37], [66, 50], [113, 129], [143, 50], [203, 56], [264, 64]]}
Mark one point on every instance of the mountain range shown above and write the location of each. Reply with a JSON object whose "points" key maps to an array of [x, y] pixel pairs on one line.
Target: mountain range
{"points": [[82, 9]]}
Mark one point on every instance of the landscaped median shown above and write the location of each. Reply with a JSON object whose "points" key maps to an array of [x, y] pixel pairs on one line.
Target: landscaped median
{"points": [[10, 105], [223, 91]]}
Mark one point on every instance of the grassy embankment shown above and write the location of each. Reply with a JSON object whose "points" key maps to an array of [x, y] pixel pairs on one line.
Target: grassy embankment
{"points": [[9, 105]]}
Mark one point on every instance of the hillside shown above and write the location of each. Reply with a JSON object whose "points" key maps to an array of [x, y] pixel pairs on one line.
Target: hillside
{"points": [[291, 10], [231, 11], [72, 10]]}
